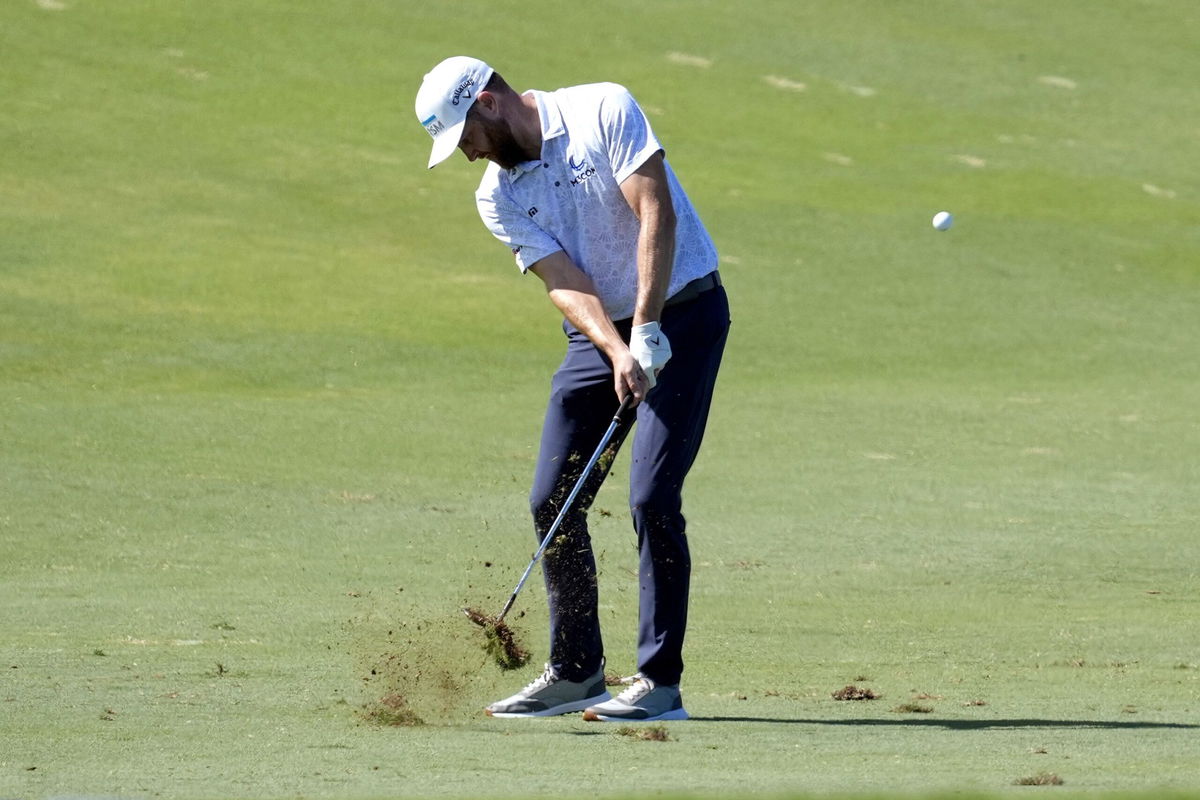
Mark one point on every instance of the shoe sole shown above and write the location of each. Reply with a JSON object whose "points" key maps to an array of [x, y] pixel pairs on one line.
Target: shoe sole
{"points": [[673, 715], [557, 711]]}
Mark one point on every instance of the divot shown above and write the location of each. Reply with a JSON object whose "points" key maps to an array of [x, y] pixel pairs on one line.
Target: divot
{"points": [[391, 711], [649, 733], [499, 641], [853, 692], [192, 73], [912, 708], [689, 60], [861, 91], [1158, 191], [1041, 779], [787, 84], [975, 162], [1058, 82], [1008, 138]]}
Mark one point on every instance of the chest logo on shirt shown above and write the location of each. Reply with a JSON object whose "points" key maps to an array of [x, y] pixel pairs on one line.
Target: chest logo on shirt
{"points": [[582, 171]]}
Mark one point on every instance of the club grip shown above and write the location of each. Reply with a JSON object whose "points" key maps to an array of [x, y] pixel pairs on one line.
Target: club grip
{"points": [[626, 404]]}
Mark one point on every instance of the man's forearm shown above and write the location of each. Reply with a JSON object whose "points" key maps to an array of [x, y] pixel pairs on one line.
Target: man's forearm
{"points": [[575, 295], [648, 192], [583, 309], [656, 255]]}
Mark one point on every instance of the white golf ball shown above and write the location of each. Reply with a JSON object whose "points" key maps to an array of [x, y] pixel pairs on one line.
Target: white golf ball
{"points": [[943, 220]]}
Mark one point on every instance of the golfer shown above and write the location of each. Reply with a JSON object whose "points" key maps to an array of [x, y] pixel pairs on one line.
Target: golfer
{"points": [[580, 191]]}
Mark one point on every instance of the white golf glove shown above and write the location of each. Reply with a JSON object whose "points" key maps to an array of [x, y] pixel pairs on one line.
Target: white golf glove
{"points": [[650, 347]]}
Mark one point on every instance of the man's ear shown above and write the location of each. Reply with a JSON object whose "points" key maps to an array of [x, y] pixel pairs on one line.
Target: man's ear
{"points": [[488, 101]]}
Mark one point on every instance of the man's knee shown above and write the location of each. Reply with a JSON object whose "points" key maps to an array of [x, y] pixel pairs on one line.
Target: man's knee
{"points": [[655, 500], [545, 509], [662, 527]]}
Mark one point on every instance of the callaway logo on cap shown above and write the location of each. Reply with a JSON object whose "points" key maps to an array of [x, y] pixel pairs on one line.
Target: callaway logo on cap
{"points": [[444, 98]]}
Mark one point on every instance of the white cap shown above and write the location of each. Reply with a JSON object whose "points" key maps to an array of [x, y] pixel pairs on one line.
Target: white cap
{"points": [[445, 96]]}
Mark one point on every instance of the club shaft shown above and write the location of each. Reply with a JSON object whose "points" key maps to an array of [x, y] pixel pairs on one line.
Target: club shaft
{"points": [[562, 513]]}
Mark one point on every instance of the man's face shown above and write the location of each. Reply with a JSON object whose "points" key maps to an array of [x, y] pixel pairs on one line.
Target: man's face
{"points": [[490, 136]]}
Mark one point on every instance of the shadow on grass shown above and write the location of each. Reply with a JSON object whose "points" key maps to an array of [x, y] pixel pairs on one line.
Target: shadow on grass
{"points": [[964, 724]]}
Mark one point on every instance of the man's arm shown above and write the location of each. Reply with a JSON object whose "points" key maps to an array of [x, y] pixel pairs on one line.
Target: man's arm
{"points": [[649, 196], [573, 292], [648, 193]]}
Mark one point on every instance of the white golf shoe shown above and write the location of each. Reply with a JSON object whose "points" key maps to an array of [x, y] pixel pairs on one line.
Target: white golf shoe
{"points": [[643, 701]]}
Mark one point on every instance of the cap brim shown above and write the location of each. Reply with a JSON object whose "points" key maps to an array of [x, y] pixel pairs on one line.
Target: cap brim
{"points": [[445, 144]]}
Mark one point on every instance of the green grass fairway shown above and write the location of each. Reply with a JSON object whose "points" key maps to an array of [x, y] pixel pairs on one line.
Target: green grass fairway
{"points": [[270, 397]]}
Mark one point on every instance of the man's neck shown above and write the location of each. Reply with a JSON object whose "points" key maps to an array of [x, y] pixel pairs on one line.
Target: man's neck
{"points": [[528, 130]]}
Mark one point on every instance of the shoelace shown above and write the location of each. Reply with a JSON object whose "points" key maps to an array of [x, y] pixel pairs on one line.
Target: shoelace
{"points": [[641, 687], [540, 682]]}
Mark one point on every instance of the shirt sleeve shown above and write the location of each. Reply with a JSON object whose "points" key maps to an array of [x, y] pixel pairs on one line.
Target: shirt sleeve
{"points": [[511, 224], [626, 133]]}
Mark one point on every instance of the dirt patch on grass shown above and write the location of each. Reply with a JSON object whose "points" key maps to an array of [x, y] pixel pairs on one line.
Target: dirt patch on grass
{"points": [[648, 733], [415, 670], [392, 711], [1041, 779], [853, 692], [912, 708]]}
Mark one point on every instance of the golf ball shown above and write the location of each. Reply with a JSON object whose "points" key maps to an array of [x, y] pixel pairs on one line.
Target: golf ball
{"points": [[943, 220]]}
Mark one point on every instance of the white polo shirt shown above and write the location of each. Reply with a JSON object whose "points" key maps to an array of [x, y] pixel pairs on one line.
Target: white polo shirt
{"points": [[593, 138]]}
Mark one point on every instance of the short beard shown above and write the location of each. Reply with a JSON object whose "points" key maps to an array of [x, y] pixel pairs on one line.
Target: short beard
{"points": [[504, 148]]}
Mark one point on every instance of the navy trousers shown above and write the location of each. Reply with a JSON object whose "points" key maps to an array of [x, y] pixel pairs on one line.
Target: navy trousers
{"points": [[669, 428]]}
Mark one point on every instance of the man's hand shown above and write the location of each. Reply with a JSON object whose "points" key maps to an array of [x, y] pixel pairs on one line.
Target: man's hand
{"points": [[650, 347], [629, 378]]}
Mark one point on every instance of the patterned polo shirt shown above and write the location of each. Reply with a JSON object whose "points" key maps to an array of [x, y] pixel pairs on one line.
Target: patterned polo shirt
{"points": [[593, 137]]}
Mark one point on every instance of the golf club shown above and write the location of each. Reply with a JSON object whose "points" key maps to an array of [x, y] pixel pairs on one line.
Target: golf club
{"points": [[495, 625]]}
